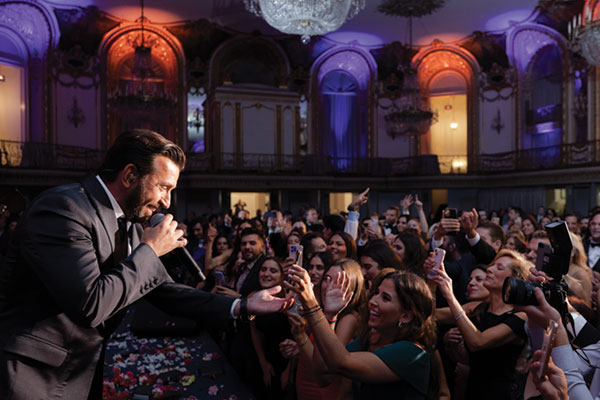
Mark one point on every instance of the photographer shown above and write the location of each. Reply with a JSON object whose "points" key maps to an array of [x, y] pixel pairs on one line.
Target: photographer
{"points": [[563, 356], [495, 337]]}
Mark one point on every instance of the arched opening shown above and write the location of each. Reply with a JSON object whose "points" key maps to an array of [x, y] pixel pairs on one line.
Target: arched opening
{"points": [[543, 100], [13, 98], [340, 110], [339, 99], [143, 90], [448, 137]]}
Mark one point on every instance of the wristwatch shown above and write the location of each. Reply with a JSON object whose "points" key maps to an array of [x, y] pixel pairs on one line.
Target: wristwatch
{"points": [[244, 316]]}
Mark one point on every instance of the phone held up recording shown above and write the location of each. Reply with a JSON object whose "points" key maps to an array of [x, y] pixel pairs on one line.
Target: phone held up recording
{"points": [[547, 344], [439, 255], [295, 253]]}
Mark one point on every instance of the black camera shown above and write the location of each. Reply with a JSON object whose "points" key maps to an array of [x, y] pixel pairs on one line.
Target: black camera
{"points": [[555, 263]]}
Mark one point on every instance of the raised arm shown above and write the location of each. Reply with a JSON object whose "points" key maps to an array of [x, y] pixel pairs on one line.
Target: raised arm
{"points": [[474, 338], [364, 366]]}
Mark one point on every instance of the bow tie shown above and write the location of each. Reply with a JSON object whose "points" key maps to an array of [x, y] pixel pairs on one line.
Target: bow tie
{"points": [[592, 244]]}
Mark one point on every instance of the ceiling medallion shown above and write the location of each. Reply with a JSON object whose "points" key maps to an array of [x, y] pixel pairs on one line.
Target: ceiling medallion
{"points": [[409, 8], [305, 17]]}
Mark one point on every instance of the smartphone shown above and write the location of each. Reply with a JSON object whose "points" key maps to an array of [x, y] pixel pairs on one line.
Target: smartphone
{"points": [[544, 251], [439, 255], [450, 213], [547, 344], [296, 254], [219, 277], [374, 223]]}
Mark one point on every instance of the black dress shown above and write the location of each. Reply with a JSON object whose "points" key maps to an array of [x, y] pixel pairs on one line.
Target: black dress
{"points": [[275, 329], [493, 370]]}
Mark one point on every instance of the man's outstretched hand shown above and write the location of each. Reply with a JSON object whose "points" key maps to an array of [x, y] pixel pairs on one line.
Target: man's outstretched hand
{"points": [[263, 302]]}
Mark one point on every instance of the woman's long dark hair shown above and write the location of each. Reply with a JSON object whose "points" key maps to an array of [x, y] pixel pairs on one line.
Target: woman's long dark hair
{"points": [[414, 252], [381, 252], [214, 245], [414, 296]]}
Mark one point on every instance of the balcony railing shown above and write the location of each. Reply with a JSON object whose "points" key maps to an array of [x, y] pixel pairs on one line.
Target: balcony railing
{"points": [[44, 156]]}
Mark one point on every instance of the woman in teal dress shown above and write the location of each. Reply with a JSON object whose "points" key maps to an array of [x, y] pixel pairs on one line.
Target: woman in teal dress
{"points": [[391, 358]]}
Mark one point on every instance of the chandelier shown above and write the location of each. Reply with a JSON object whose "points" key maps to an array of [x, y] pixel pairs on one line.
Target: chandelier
{"points": [[585, 36], [305, 17], [409, 114]]}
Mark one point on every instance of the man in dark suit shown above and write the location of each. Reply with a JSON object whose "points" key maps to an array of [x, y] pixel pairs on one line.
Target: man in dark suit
{"points": [[592, 242], [81, 257]]}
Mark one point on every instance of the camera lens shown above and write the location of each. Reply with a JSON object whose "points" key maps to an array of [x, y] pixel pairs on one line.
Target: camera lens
{"points": [[519, 292]]}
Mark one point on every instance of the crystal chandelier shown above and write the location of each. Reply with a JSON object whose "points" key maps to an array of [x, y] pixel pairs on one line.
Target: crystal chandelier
{"points": [[305, 17]]}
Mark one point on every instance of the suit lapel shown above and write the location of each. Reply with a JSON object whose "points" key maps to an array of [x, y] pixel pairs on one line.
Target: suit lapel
{"points": [[104, 210]]}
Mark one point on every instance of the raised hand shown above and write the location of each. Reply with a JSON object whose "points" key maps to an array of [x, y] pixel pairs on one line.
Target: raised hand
{"points": [[337, 295], [418, 203], [299, 282], [406, 202], [443, 282], [360, 199], [212, 233], [469, 221], [553, 384]]}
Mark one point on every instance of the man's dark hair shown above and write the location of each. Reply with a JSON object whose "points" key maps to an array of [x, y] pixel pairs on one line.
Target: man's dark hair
{"points": [[334, 222], [252, 231], [495, 230], [139, 147]]}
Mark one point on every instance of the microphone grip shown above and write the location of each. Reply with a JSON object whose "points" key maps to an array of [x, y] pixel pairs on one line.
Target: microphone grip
{"points": [[183, 255]]}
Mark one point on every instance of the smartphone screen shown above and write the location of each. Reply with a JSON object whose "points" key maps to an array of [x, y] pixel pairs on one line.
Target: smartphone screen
{"points": [[439, 255], [450, 213], [547, 345], [219, 277], [296, 254]]}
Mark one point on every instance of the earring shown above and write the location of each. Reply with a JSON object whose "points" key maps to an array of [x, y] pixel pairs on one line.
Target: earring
{"points": [[400, 324]]}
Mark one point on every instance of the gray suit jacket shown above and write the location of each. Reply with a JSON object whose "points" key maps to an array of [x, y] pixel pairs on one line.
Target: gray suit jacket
{"points": [[62, 293]]}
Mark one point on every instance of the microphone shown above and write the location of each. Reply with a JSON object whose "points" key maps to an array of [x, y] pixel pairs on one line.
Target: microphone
{"points": [[183, 255]]}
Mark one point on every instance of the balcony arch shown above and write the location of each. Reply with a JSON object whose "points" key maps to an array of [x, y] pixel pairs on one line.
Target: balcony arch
{"points": [[441, 62], [165, 110]]}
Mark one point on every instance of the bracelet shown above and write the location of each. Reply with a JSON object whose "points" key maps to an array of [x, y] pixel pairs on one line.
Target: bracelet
{"points": [[304, 341], [459, 315], [313, 312], [318, 320], [310, 309]]}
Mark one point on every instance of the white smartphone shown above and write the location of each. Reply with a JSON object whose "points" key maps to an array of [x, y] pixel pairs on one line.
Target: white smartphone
{"points": [[439, 255]]}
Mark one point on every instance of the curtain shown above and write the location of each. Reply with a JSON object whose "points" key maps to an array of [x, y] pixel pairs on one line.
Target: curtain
{"points": [[340, 118]]}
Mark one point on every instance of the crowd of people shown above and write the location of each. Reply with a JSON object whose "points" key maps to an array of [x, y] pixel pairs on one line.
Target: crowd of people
{"points": [[371, 319], [347, 305]]}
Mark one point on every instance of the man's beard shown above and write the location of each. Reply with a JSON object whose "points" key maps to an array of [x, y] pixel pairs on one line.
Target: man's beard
{"points": [[134, 204]]}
